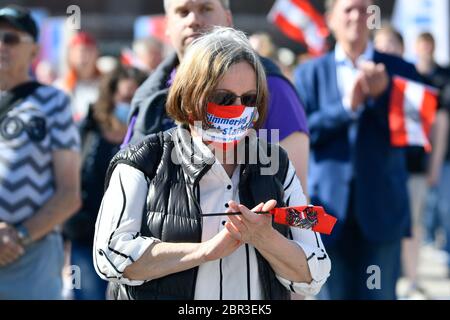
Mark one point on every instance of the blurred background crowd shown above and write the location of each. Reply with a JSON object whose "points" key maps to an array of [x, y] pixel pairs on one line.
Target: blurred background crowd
{"points": [[100, 52]]}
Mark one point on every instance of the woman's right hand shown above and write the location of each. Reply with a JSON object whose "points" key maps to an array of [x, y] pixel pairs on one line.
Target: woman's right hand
{"points": [[223, 244], [220, 246]]}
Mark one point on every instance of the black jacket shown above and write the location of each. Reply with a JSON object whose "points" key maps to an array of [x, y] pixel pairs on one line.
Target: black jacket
{"points": [[177, 218]]}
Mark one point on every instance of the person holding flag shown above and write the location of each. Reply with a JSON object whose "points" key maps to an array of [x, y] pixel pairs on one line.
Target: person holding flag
{"points": [[355, 171], [154, 238]]}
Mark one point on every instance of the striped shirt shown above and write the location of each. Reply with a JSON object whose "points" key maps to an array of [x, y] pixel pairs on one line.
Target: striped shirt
{"points": [[233, 277], [29, 134]]}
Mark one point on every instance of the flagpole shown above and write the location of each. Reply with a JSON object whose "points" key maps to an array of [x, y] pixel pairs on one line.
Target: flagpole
{"points": [[229, 214]]}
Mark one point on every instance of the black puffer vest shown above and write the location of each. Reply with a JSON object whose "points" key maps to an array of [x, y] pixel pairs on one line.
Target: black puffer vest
{"points": [[149, 102], [172, 211]]}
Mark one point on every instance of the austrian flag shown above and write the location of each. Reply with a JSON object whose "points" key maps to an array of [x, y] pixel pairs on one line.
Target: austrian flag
{"points": [[411, 113], [301, 22]]}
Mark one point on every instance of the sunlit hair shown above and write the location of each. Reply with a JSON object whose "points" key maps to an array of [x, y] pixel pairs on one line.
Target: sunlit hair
{"points": [[225, 4], [206, 62]]}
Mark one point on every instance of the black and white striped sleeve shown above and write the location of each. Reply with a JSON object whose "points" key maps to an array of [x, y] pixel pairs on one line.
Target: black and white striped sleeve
{"points": [[118, 242], [64, 133], [318, 261]]}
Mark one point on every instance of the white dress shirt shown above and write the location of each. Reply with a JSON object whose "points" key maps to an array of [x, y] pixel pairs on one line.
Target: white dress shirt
{"points": [[119, 244], [347, 72]]}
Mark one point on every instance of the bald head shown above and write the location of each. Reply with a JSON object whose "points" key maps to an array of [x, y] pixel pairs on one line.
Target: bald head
{"points": [[329, 4], [225, 4]]}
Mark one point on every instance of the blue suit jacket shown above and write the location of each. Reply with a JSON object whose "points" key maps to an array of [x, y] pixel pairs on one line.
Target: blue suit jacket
{"points": [[379, 171]]}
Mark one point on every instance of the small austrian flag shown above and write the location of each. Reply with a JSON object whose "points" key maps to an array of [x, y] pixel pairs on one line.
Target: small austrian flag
{"points": [[412, 112], [300, 21]]}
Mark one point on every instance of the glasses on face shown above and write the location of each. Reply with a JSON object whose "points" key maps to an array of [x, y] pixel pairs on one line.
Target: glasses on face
{"points": [[226, 98], [12, 38]]}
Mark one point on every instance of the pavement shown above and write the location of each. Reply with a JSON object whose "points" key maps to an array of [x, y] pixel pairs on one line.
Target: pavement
{"points": [[433, 278]]}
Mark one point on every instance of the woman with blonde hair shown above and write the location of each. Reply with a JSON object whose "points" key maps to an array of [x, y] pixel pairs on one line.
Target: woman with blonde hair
{"points": [[153, 240]]}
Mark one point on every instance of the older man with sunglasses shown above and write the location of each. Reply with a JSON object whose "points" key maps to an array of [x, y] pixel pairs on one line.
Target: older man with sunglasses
{"points": [[186, 21], [39, 165]]}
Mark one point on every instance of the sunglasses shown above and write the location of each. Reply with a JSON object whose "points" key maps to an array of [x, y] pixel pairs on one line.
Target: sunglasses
{"points": [[13, 39], [226, 98]]}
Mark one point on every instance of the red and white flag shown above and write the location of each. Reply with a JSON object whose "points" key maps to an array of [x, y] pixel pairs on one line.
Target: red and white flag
{"points": [[412, 112], [300, 21]]}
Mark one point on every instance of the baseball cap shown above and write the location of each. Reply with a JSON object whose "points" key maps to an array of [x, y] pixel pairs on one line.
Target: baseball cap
{"points": [[20, 18]]}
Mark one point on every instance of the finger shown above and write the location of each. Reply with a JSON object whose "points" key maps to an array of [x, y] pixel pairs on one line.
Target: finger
{"points": [[15, 247], [8, 256], [10, 246], [234, 207], [235, 234], [251, 216], [380, 67], [269, 205], [18, 249], [366, 66], [364, 83], [12, 251], [246, 213], [238, 223], [259, 207]]}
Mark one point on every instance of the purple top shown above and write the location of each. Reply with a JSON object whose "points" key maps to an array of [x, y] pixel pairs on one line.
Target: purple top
{"points": [[171, 78], [286, 111], [129, 134]]}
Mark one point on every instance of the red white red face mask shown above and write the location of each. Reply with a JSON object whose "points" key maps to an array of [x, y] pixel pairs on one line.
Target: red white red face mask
{"points": [[227, 125]]}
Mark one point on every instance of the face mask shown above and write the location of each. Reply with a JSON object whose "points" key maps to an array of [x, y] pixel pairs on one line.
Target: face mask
{"points": [[228, 124], [121, 112]]}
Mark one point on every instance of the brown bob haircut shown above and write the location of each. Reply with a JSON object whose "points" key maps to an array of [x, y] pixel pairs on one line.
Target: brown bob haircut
{"points": [[206, 62]]}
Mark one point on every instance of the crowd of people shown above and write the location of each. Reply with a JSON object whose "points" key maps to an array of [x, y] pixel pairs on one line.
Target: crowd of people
{"points": [[113, 167]]}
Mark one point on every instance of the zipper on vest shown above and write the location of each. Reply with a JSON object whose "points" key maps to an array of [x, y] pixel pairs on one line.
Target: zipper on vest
{"points": [[247, 253], [221, 280]]}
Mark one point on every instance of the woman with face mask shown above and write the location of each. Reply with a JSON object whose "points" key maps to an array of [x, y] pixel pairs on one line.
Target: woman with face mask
{"points": [[152, 240], [102, 132]]}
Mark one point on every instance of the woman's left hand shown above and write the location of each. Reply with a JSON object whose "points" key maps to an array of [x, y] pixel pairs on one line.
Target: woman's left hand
{"points": [[251, 227]]}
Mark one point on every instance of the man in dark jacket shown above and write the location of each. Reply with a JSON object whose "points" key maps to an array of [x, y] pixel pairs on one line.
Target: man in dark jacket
{"points": [[354, 171]]}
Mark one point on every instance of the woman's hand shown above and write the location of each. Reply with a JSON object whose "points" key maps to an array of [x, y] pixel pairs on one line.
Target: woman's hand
{"points": [[220, 246], [250, 227]]}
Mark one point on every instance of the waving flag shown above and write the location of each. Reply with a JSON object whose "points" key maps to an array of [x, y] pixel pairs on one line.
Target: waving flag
{"points": [[300, 21], [412, 112]]}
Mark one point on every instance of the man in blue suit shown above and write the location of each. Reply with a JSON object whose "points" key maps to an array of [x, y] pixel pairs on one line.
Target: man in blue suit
{"points": [[354, 172]]}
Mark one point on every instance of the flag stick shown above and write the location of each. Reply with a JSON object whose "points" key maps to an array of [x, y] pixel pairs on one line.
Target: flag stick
{"points": [[229, 214]]}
